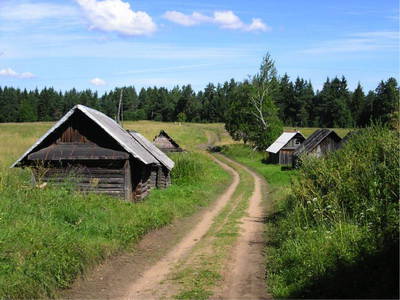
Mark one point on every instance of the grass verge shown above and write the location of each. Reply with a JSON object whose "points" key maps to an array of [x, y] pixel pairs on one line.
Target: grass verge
{"points": [[48, 237]]}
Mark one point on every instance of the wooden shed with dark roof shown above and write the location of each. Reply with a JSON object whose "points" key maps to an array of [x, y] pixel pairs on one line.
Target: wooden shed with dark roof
{"points": [[166, 143], [318, 144], [98, 155]]}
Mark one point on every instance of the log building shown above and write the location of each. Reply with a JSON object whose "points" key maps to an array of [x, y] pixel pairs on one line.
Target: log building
{"points": [[318, 144], [281, 151], [98, 155], [165, 143]]}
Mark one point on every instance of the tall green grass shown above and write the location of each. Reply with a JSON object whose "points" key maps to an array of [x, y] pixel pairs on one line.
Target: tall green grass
{"points": [[334, 230], [337, 233], [49, 236]]}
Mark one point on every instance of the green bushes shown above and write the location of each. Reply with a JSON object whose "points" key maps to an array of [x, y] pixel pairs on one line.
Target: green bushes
{"points": [[337, 233], [49, 236]]}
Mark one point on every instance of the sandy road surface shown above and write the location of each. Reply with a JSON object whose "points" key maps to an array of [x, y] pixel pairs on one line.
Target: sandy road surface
{"points": [[244, 277], [147, 286]]}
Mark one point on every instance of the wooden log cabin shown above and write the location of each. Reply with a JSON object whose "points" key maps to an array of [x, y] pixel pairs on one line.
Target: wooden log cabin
{"points": [[165, 143], [317, 144], [98, 155], [281, 151]]}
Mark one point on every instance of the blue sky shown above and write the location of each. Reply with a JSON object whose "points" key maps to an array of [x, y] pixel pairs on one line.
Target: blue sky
{"points": [[104, 44]]}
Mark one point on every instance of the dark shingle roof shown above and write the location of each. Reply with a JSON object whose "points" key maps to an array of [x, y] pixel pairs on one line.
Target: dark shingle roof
{"points": [[171, 140], [314, 140]]}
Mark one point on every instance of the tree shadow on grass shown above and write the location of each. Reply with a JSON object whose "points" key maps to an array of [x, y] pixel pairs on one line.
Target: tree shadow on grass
{"points": [[372, 277]]}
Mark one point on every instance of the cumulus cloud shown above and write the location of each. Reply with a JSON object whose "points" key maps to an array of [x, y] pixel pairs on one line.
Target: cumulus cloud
{"points": [[97, 81], [186, 20], [257, 24], [117, 15], [224, 19], [8, 72], [227, 19]]}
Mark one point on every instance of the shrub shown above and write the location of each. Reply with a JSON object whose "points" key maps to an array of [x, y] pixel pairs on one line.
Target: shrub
{"points": [[340, 223]]}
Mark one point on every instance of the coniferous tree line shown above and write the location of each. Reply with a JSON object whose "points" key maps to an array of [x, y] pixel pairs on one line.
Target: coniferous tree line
{"points": [[297, 102]]}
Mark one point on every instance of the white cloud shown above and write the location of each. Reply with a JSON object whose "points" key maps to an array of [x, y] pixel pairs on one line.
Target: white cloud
{"points": [[8, 72], [97, 81], [186, 20], [257, 24], [116, 15], [225, 19], [37, 11]]}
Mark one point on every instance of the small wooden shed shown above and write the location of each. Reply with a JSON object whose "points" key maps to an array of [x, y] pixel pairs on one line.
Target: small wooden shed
{"points": [[281, 151], [318, 144], [98, 155], [165, 143]]}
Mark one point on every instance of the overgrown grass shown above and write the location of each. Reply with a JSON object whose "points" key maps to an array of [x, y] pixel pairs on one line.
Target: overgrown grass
{"points": [[334, 231], [49, 236], [337, 236]]}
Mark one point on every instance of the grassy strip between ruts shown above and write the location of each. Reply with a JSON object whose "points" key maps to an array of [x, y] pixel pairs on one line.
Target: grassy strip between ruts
{"points": [[48, 237], [202, 269]]}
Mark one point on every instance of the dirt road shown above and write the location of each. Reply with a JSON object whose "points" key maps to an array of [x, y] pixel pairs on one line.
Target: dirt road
{"points": [[148, 285], [244, 276], [141, 275]]}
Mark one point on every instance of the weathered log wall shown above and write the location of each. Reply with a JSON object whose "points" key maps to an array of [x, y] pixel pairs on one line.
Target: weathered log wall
{"points": [[327, 145], [285, 157], [108, 179]]}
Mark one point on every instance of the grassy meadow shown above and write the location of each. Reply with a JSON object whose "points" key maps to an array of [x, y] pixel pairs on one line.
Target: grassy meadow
{"points": [[48, 237]]}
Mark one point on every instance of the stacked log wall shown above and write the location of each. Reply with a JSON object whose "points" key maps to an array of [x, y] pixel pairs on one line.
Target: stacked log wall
{"points": [[111, 181]]}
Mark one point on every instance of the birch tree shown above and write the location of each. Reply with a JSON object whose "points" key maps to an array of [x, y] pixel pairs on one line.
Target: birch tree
{"points": [[263, 108], [253, 115]]}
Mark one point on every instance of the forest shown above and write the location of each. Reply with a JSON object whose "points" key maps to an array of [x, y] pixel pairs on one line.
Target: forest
{"points": [[296, 101]]}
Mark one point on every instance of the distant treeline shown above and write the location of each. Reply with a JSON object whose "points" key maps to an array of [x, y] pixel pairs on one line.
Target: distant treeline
{"points": [[334, 106]]}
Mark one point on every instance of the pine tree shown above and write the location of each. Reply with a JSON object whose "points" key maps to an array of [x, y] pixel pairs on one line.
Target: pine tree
{"points": [[357, 105], [386, 101]]}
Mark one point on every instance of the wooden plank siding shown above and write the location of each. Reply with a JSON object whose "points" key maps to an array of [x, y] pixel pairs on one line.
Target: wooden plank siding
{"points": [[86, 179], [285, 157]]}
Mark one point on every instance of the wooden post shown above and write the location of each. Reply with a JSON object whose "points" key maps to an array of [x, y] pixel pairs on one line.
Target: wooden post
{"points": [[128, 181]]}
